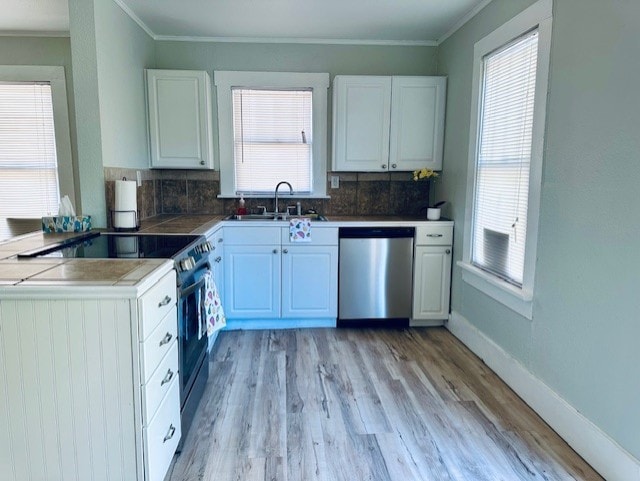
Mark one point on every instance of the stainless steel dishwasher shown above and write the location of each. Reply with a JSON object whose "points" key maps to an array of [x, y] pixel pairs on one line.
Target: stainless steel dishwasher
{"points": [[375, 275]]}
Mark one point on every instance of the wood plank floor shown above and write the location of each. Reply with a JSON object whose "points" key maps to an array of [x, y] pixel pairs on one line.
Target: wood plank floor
{"points": [[342, 404]]}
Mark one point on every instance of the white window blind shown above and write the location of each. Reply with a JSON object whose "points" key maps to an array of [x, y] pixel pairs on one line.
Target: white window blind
{"points": [[28, 164], [272, 132], [503, 159]]}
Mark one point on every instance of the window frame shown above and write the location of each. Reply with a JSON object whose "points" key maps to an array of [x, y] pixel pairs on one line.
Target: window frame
{"points": [[317, 82], [56, 78], [519, 299]]}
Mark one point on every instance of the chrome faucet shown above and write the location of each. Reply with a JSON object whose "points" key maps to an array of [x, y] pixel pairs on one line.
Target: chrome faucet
{"points": [[275, 200]]}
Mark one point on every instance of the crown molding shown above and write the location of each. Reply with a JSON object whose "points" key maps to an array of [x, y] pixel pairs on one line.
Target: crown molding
{"points": [[125, 8], [460, 23], [320, 41]]}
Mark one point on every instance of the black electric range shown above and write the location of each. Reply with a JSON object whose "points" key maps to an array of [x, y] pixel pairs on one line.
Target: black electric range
{"points": [[98, 245]]}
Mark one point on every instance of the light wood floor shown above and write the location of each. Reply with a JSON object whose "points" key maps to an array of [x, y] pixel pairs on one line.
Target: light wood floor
{"points": [[352, 405]]}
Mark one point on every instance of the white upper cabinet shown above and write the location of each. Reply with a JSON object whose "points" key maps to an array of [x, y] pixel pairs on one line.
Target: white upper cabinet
{"points": [[388, 123], [179, 104], [417, 122], [361, 116]]}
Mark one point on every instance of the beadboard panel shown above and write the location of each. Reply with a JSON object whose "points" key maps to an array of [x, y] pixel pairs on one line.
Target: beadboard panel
{"points": [[66, 408]]}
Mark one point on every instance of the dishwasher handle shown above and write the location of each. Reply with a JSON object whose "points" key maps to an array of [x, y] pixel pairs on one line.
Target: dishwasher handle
{"points": [[376, 232]]}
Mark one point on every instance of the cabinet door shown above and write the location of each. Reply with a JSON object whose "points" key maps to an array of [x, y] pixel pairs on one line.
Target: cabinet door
{"points": [[180, 119], [417, 122], [252, 282], [309, 281], [361, 115], [432, 278]]}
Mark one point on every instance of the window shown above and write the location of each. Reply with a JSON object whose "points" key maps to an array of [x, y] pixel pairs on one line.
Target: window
{"points": [[32, 173], [272, 139], [505, 160], [272, 127]]}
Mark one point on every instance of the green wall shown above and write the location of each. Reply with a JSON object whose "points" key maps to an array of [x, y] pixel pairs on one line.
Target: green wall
{"points": [[45, 51], [110, 52], [583, 339]]}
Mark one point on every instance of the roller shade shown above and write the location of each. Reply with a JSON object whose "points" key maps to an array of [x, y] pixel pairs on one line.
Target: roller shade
{"points": [[28, 163], [504, 158], [273, 139]]}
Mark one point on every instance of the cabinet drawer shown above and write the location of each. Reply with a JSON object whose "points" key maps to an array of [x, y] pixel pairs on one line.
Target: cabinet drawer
{"points": [[156, 346], [162, 435], [252, 235], [327, 236], [160, 382], [156, 303], [434, 234]]}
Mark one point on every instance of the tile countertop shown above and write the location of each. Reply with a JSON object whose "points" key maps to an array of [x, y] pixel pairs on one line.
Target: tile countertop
{"points": [[130, 272], [42, 271]]}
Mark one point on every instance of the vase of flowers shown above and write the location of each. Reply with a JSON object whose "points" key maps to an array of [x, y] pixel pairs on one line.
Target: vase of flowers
{"points": [[433, 212]]}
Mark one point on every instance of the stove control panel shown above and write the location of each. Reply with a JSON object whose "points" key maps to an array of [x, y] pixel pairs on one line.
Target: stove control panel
{"points": [[204, 247]]}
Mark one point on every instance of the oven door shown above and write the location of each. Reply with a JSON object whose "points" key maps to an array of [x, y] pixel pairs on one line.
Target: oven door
{"points": [[192, 331]]}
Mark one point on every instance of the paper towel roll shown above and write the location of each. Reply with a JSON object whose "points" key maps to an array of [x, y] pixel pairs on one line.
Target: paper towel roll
{"points": [[126, 205]]}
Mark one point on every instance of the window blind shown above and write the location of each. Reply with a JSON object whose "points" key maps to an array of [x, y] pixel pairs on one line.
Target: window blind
{"points": [[28, 164], [503, 158], [273, 139]]}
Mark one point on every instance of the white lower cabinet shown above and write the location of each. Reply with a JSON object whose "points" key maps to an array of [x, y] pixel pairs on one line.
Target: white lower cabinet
{"points": [[432, 273], [89, 381], [252, 281], [309, 275], [269, 277]]}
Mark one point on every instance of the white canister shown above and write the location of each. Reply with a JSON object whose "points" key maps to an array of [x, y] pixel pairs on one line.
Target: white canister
{"points": [[433, 213]]}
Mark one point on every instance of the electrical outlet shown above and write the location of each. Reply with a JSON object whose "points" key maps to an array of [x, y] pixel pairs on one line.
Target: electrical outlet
{"points": [[335, 181], [139, 178]]}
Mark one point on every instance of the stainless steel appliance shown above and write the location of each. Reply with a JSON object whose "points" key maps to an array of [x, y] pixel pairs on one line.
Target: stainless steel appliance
{"points": [[190, 254], [375, 275]]}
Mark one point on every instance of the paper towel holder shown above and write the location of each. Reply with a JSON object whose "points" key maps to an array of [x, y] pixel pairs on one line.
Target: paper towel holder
{"points": [[125, 229]]}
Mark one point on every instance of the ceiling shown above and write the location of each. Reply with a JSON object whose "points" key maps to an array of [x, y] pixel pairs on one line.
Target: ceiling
{"points": [[323, 21]]}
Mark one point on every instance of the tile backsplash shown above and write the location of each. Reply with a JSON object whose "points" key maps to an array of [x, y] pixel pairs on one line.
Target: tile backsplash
{"points": [[196, 192]]}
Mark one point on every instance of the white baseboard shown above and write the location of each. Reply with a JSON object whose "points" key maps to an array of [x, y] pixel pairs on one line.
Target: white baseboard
{"points": [[612, 461]]}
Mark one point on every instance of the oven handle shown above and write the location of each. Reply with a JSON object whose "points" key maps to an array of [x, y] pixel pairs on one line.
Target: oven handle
{"points": [[193, 287]]}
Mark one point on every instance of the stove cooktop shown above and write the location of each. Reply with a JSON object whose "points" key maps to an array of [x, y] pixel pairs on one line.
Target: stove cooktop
{"points": [[118, 246]]}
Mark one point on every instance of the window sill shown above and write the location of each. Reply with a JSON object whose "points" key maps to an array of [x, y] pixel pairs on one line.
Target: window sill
{"points": [[516, 299]]}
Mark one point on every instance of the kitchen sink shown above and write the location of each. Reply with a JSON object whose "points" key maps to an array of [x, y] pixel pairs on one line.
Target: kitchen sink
{"points": [[270, 216]]}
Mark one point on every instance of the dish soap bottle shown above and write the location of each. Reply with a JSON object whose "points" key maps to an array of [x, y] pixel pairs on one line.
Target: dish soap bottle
{"points": [[241, 210]]}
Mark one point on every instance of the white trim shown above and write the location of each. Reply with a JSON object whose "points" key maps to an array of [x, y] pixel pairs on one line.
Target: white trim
{"points": [[294, 40], [460, 23], [125, 8], [537, 15], [261, 324], [35, 33], [55, 76], [318, 82], [606, 456], [513, 297]]}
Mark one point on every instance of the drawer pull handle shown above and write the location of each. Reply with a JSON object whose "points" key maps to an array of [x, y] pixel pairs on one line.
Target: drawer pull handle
{"points": [[164, 301], [170, 433], [166, 339], [434, 235], [167, 378]]}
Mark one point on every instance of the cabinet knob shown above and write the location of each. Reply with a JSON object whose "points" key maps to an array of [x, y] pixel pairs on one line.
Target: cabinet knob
{"points": [[384, 166], [448, 251], [218, 259], [286, 251], [393, 166], [202, 162], [275, 251]]}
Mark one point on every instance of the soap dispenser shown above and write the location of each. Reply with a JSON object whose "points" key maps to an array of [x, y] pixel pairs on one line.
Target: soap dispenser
{"points": [[241, 210]]}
